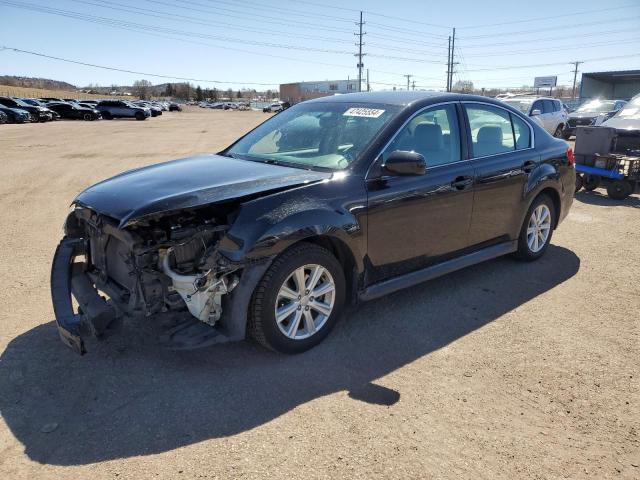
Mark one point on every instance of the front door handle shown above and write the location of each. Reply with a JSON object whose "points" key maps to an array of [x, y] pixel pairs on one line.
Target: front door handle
{"points": [[462, 183], [528, 166]]}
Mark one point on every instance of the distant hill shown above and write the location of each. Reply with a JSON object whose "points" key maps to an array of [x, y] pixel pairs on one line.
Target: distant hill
{"points": [[31, 82]]}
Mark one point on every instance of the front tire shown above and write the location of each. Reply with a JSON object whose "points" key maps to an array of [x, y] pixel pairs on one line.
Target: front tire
{"points": [[298, 301], [140, 116], [537, 229]]}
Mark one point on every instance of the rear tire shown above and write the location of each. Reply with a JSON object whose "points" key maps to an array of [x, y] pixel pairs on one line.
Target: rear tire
{"points": [[300, 324], [87, 117], [591, 182], [537, 229], [619, 189], [140, 116]]}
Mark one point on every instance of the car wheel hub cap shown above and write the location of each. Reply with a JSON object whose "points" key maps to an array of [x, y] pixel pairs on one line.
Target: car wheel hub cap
{"points": [[538, 228], [305, 301]]}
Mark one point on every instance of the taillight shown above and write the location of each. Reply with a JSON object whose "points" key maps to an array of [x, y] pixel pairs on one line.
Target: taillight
{"points": [[570, 157]]}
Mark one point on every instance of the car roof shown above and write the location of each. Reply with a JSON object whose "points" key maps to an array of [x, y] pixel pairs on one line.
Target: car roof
{"points": [[404, 98]]}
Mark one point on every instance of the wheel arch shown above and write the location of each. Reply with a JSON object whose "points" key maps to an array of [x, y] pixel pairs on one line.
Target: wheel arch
{"points": [[344, 255]]}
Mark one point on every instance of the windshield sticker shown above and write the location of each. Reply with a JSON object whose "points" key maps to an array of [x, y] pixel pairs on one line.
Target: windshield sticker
{"points": [[363, 112]]}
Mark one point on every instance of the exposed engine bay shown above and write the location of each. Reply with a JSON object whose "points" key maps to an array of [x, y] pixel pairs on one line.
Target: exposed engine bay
{"points": [[169, 263]]}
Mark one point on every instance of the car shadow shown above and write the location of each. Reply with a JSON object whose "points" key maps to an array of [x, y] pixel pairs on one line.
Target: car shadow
{"points": [[597, 198], [129, 397]]}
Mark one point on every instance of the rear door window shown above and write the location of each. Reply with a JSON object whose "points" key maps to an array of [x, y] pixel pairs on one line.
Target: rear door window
{"points": [[491, 130]]}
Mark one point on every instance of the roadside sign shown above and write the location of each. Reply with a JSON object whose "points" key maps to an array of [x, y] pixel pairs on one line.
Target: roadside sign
{"points": [[540, 82]]}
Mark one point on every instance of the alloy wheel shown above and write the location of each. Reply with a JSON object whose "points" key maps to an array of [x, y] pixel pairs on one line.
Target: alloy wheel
{"points": [[538, 228], [305, 301]]}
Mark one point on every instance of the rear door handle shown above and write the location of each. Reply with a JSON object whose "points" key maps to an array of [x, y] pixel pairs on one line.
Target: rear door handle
{"points": [[462, 183], [528, 166]]}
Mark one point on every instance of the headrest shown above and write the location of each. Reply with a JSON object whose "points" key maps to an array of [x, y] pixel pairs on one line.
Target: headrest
{"points": [[429, 135], [490, 134]]}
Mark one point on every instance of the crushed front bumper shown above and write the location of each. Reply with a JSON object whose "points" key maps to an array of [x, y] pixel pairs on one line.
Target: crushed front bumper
{"points": [[68, 278]]}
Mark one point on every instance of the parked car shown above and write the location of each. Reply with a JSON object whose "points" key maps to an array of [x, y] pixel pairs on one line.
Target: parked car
{"points": [[549, 112], [119, 109], [274, 107], [75, 111], [175, 107], [38, 103], [51, 99], [593, 112], [335, 200], [3, 118], [16, 115], [38, 114], [154, 109]]}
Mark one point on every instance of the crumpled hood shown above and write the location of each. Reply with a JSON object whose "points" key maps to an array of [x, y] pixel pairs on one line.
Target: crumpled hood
{"points": [[188, 183]]}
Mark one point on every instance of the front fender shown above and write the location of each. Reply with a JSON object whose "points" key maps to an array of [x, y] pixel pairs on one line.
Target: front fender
{"points": [[267, 226]]}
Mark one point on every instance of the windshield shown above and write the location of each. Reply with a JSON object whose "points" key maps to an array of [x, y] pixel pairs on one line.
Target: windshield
{"points": [[597, 106], [522, 105], [315, 135]]}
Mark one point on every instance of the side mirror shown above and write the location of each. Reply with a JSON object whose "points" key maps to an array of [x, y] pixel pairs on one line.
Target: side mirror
{"points": [[402, 162], [536, 112]]}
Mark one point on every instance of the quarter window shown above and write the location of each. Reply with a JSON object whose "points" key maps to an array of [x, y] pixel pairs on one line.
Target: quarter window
{"points": [[491, 130], [433, 133]]}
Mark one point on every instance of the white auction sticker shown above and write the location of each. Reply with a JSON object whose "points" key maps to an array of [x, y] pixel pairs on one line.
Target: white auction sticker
{"points": [[363, 112]]}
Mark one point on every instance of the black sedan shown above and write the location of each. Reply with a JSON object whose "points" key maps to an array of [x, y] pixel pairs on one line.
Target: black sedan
{"points": [[333, 201], [38, 114], [16, 115], [593, 112], [74, 112]]}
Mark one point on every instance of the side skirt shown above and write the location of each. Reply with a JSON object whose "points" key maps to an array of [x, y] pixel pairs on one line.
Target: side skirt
{"points": [[398, 283]]}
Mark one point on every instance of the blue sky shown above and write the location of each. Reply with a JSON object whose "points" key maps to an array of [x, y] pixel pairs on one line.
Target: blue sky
{"points": [[244, 43]]}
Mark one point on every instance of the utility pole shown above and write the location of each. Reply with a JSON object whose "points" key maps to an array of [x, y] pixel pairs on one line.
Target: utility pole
{"points": [[368, 86], [448, 62], [360, 54], [413, 85], [408, 77], [453, 56], [575, 77]]}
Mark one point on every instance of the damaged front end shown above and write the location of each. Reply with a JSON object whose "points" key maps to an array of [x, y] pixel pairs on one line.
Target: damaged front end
{"points": [[167, 263]]}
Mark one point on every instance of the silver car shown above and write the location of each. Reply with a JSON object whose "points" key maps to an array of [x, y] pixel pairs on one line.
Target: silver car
{"points": [[548, 112]]}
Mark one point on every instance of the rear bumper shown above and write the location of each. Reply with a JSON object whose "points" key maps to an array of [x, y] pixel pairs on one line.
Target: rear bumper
{"points": [[68, 278]]}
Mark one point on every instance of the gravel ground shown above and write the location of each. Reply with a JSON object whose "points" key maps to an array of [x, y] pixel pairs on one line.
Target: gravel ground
{"points": [[503, 370]]}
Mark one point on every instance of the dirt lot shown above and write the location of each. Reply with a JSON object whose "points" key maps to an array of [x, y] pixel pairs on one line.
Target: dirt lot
{"points": [[504, 370]]}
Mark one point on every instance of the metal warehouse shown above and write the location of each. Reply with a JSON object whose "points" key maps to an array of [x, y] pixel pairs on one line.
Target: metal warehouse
{"points": [[301, 91], [622, 84]]}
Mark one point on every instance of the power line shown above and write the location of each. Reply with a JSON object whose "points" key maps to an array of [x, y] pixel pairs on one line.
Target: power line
{"points": [[617, 21], [556, 48], [572, 14], [489, 68], [147, 74], [198, 21]]}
